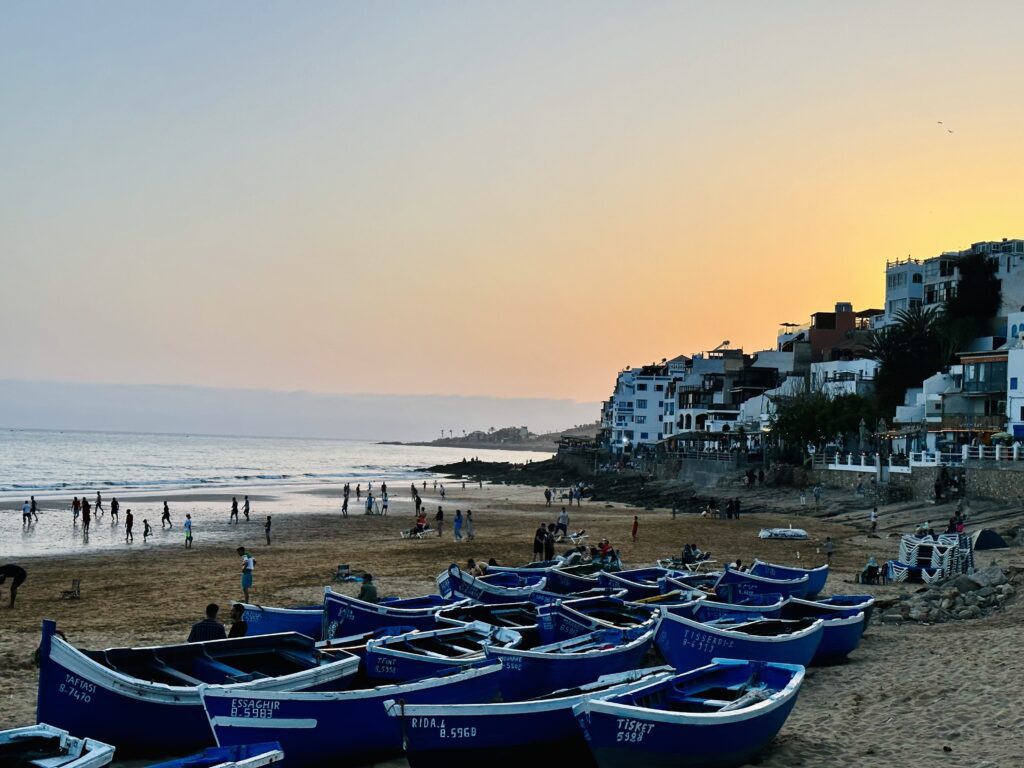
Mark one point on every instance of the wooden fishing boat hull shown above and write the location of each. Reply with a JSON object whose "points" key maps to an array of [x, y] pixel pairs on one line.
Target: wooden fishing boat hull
{"points": [[52, 747], [710, 609], [572, 618], [865, 603], [424, 654], [240, 756], [346, 616], [816, 577], [265, 620], [639, 583], [455, 583], [623, 734], [528, 673], [519, 617], [337, 728], [508, 734], [82, 695], [687, 644], [734, 585]]}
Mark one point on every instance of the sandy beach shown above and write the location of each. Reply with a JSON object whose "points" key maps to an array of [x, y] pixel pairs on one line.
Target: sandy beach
{"points": [[909, 693]]}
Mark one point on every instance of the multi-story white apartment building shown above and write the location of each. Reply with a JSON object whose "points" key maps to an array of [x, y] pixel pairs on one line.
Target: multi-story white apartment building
{"points": [[844, 377], [632, 416], [904, 289]]}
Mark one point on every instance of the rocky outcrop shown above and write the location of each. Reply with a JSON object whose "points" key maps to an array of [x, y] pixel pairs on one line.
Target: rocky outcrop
{"points": [[960, 597]]}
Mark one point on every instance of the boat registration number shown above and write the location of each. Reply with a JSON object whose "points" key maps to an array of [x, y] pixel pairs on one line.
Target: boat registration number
{"points": [[77, 688], [632, 731], [458, 732]]}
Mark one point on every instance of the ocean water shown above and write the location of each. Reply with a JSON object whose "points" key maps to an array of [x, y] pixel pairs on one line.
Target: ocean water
{"points": [[197, 474]]}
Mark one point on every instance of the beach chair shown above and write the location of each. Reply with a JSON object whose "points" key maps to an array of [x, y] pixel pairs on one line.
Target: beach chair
{"points": [[412, 533], [74, 593], [578, 537]]}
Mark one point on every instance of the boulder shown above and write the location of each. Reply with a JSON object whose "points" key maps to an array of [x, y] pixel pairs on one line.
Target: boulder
{"points": [[992, 576], [965, 584]]}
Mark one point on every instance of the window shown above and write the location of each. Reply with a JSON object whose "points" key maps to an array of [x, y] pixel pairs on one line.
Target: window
{"points": [[641, 419], [1013, 382], [918, 278], [643, 435], [659, 436], [641, 403], [659, 387], [641, 387]]}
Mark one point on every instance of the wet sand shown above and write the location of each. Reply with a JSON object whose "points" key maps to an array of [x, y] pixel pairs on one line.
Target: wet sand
{"points": [[906, 693]]}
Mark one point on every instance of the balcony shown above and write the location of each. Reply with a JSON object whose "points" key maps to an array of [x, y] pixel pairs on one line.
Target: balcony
{"points": [[972, 422]]}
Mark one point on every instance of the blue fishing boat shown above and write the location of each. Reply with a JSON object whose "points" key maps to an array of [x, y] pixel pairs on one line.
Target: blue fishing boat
{"points": [[721, 715], [239, 756], [816, 577], [686, 643], [842, 632], [519, 617], [638, 583], [116, 695], [526, 673], [704, 607], [494, 588], [346, 616], [48, 747], [530, 569], [865, 603], [307, 620], [734, 585], [423, 654], [572, 578], [337, 728], [508, 734], [571, 618], [546, 598]]}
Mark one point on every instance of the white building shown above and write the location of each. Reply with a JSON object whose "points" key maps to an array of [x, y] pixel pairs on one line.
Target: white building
{"points": [[632, 416], [904, 289], [844, 377]]}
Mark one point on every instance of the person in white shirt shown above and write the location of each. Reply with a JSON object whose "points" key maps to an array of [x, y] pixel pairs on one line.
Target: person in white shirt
{"points": [[247, 566]]}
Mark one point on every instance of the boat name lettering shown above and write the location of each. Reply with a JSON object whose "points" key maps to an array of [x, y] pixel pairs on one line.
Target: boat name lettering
{"points": [[384, 664], [632, 731], [255, 708], [78, 689]]}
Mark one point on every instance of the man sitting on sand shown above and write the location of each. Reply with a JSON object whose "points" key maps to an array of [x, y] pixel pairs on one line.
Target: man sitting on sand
{"points": [[368, 592], [209, 628]]}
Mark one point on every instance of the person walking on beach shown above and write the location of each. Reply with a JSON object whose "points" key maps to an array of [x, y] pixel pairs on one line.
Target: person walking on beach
{"points": [[146, 530], [16, 574], [115, 508], [549, 542], [874, 519], [829, 549], [383, 488], [248, 563], [457, 525], [239, 626], [266, 529], [538, 543], [234, 509], [383, 502], [188, 531], [129, 522], [438, 521], [86, 516], [547, 497], [442, 491], [209, 628], [99, 505], [563, 522], [369, 504], [359, 491], [76, 507], [344, 506], [165, 518], [636, 527], [35, 508], [470, 533], [245, 508], [26, 514]]}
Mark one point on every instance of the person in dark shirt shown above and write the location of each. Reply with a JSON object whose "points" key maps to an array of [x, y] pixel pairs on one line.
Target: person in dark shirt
{"points": [[368, 591], [239, 627], [17, 575], [209, 628]]}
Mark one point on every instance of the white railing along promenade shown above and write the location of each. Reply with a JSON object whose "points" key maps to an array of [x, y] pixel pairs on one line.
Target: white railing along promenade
{"points": [[869, 462]]}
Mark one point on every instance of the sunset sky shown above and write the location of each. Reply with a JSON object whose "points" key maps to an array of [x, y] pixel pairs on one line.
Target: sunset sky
{"points": [[511, 199]]}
